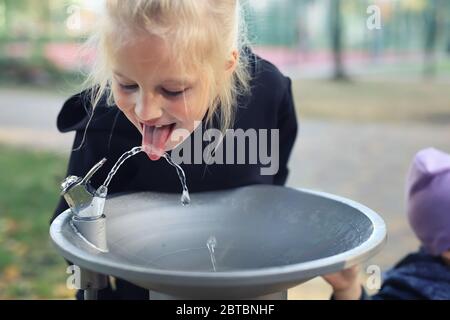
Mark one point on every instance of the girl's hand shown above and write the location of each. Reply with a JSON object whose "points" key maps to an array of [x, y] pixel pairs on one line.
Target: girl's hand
{"points": [[345, 284]]}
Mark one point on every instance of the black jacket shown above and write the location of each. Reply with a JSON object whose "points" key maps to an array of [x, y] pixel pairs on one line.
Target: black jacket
{"points": [[418, 276], [269, 106]]}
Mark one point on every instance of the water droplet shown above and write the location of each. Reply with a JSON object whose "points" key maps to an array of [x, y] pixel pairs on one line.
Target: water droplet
{"points": [[211, 244], [185, 198]]}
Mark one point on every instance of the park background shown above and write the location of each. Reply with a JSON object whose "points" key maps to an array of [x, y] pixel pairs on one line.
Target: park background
{"points": [[367, 100]]}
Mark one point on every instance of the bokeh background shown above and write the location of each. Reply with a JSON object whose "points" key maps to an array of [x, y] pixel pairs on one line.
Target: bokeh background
{"points": [[367, 99]]}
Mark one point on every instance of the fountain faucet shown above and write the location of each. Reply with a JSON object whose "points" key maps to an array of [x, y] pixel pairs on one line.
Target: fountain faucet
{"points": [[85, 201]]}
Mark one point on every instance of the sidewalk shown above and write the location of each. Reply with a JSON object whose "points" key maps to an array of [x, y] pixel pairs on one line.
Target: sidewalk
{"points": [[28, 119]]}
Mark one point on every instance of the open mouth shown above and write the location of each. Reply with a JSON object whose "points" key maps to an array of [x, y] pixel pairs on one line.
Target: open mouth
{"points": [[154, 139]]}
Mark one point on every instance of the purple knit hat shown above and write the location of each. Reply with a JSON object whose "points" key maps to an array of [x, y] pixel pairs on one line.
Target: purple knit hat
{"points": [[429, 199]]}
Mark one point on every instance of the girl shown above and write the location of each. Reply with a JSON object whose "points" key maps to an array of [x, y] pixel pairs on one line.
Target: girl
{"points": [[165, 69]]}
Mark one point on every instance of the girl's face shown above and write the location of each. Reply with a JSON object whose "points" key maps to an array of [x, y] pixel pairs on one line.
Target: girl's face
{"points": [[155, 95]]}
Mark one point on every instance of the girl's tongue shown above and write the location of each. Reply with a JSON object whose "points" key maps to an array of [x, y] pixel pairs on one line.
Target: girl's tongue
{"points": [[154, 140]]}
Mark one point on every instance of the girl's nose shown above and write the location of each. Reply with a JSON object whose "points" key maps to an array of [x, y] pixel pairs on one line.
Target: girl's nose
{"points": [[148, 107]]}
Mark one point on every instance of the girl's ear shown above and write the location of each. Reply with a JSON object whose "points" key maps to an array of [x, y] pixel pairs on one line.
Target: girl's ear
{"points": [[232, 62]]}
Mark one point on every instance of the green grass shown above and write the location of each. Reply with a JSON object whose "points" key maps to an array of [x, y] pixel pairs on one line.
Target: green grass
{"points": [[30, 268], [375, 100]]}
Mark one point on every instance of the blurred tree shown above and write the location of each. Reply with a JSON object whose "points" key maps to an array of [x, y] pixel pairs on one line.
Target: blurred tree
{"points": [[336, 39], [448, 27], [301, 28], [34, 18], [431, 34]]}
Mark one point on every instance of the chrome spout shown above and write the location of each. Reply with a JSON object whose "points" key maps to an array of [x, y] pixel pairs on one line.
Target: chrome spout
{"points": [[84, 200]]}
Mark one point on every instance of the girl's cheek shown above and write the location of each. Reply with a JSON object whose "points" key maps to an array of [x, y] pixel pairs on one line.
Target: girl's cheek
{"points": [[125, 102], [190, 108], [182, 109]]}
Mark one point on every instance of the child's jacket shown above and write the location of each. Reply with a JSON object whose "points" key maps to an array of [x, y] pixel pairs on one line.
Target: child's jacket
{"points": [[418, 276]]}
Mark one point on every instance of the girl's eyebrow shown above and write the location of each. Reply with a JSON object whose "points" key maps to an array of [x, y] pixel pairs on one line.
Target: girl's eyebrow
{"points": [[177, 82], [174, 81], [119, 74]]}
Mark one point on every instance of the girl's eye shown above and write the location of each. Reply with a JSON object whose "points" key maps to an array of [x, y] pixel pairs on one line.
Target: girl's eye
{"points": [[129, 87], [172, 93]]}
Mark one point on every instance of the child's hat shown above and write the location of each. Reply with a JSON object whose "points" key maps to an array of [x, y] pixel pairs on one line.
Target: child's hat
{"points": [[429, 199]]}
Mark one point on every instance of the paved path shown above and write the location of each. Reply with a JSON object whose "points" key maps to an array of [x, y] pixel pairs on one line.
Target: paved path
{"points": [[367, 162], [28, 118]]}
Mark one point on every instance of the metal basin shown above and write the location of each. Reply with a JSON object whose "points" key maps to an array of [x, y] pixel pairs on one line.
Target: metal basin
{"points": [[268, 239]]}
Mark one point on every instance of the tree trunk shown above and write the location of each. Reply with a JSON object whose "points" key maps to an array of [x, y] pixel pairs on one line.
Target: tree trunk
{"points": [[336, 39], [431, 33], [448, 28]]}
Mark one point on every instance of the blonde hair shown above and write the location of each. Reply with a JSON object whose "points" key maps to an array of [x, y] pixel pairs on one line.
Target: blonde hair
{"points": [[206, 30]]}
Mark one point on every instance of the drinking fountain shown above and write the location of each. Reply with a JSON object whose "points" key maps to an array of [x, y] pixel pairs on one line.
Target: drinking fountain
{"points": [[252, 242]]}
